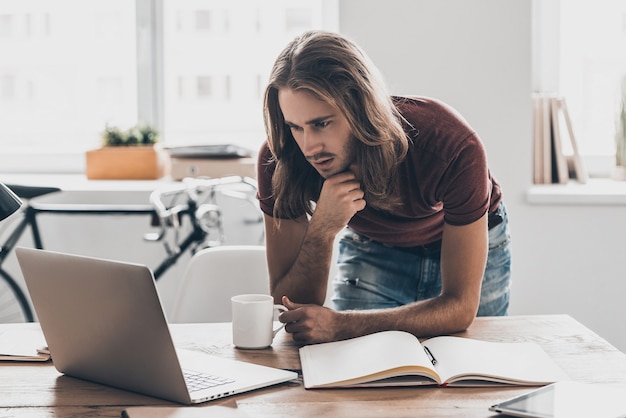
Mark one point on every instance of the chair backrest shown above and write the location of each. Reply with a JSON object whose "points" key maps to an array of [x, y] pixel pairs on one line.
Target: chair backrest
{"points": [[213, 276]]}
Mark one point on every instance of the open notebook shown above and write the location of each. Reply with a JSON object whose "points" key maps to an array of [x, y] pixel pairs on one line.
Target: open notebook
{"points": [[103, 321], [397, 358]]}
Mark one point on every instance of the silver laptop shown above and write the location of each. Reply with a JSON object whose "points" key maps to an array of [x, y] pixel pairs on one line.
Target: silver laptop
{"points": [[103, 321]]}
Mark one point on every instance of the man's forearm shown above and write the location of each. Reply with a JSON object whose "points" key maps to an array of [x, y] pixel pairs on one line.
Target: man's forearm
{"points": [[312, 324], [425, 318], [307, 279]]}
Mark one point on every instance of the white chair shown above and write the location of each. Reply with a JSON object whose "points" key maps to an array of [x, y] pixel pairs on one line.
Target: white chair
{"points": [[213, 276]]}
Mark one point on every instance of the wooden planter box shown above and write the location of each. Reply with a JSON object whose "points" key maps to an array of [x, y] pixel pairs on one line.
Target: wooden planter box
{"points": [[128, 163]]}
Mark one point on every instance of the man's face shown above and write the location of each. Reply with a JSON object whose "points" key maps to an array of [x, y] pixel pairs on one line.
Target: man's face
{"points": [[320, 130]]}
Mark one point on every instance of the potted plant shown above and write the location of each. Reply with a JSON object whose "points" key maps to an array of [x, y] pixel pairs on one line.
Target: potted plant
{"points": [[134, 154]]}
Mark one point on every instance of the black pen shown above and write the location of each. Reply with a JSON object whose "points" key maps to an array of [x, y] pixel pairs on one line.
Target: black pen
{"points": [[432, 358]]}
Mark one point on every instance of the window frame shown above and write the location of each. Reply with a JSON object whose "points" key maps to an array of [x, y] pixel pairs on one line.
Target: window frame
{"points": [[546, 21]]}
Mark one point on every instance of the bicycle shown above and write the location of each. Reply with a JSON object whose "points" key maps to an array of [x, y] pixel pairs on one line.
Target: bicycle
{"points": [[194, 199]]}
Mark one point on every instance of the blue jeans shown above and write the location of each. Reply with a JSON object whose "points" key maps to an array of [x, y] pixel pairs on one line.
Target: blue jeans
{"points": [[372, 275]]}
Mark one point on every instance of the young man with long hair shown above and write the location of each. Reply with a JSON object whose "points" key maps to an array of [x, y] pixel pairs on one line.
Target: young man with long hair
{"points": [[404, 182]]}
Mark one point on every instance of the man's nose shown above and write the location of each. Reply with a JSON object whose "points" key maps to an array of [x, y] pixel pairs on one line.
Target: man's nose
{"points": [[311, 143]]}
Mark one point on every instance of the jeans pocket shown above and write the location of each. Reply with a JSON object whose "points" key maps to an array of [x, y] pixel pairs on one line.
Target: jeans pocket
{"points": [[499, 235], [349, 238]]}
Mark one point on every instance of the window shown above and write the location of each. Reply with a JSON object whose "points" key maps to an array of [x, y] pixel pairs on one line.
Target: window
{"points": [[195, 69], [579, 49], [592, 65], [67, 69], [216, 59]]}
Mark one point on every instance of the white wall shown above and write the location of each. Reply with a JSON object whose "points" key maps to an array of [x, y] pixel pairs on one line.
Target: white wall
{"points": [[476, 55]]}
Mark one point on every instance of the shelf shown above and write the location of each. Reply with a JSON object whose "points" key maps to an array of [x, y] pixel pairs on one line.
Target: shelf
{"points": [[594, 192]]}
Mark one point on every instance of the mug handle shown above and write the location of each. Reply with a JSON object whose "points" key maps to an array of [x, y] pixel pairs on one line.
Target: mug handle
{"points": [[279, 308]]}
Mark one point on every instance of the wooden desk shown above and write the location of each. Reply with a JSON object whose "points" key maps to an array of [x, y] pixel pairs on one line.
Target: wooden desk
{"points": [[35, 389]]}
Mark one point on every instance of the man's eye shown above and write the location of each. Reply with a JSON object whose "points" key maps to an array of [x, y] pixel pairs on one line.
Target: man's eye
{"points": [[321, 124]]}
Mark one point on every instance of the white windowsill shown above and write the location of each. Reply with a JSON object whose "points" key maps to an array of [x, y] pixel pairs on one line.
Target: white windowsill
{"points": [[79, 182], [595, 192], [77, 188], [180, 169]]}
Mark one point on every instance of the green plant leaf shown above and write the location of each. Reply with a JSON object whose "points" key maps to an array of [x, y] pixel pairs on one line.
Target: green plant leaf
{"points": [[137, 135]]}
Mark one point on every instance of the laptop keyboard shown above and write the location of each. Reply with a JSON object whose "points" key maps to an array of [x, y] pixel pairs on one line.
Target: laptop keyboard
{"points": [[200, 381]]}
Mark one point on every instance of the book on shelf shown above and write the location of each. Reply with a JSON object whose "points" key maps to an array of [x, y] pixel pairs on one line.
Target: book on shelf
{"points": [[556, 158], [397, 358], [578, 168], [543, 140], [538, 143], [559, 161]]}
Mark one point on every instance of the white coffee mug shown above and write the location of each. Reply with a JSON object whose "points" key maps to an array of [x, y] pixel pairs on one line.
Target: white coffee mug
{"points": [[253, 320]]}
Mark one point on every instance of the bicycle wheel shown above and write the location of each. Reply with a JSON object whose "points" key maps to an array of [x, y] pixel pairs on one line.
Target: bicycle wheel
{"points": [[12, 307]]}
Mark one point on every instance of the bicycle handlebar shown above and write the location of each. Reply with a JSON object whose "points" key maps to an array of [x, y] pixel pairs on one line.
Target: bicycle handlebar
{"points": [[191, 187]]}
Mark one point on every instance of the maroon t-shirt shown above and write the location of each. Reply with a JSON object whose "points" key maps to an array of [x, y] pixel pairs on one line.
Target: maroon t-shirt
{"points": [[444, 178]]}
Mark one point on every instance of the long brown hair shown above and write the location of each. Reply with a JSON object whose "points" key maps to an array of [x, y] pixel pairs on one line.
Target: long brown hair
{"points": [[336, 71]]}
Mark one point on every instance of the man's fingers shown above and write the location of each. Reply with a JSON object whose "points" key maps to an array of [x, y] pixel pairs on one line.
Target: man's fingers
{"points": [[288, 303], [291, 315]]}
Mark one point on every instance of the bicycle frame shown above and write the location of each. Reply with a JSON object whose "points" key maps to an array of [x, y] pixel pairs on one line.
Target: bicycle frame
{"points": [[4, 252], [168, 218], [29, 219]]}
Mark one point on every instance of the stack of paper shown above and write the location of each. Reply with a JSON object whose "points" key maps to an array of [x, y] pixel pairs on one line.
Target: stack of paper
{"points": [[19, 344]]}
